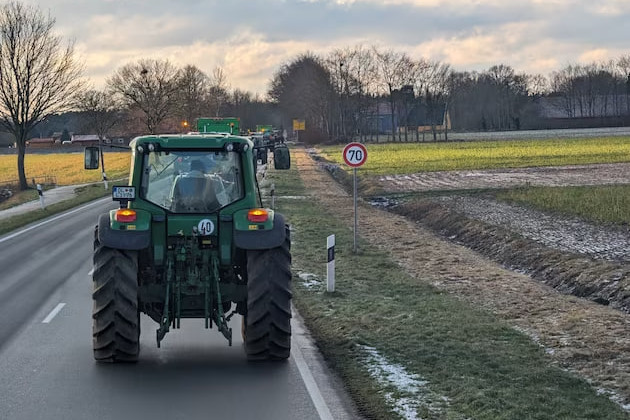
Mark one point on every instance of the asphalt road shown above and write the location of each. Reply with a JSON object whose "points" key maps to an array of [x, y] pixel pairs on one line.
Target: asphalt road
{"points": [[46, 362]]}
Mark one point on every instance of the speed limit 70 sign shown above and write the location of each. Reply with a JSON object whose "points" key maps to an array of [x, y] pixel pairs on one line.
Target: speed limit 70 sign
{"points": [[354, 154]]}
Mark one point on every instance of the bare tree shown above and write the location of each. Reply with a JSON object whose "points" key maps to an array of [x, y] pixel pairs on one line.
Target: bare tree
{"points": [[353, 73], [193, 93], [537, 85], [505, 87], [432, 81], [623, 65], [101, 113], [38, 75], [218, 92], [587, 90], [395, 71], [302, 89], [151, 85]]}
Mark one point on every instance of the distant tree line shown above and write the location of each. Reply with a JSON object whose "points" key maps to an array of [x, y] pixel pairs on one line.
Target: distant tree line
{"points": [[41, 82], [351, 93], [348, 93]]}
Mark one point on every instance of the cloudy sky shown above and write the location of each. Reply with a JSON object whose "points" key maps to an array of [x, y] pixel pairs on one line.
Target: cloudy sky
{"points": [[251, 39]]}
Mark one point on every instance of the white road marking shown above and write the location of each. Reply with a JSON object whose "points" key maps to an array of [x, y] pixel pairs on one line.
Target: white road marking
{"points": [[28, 229], [53, 313], [309, 382]]}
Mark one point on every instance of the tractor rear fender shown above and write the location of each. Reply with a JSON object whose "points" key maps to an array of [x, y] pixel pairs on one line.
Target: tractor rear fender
{"points": [[248, 235], [134, 235]]}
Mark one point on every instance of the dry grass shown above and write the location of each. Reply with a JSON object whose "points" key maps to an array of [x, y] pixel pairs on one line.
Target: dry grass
{"points": [[469, 356]]}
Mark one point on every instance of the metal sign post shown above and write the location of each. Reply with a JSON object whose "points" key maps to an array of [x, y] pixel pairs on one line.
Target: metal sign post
{"points": [[355, 155], [356, 224]]}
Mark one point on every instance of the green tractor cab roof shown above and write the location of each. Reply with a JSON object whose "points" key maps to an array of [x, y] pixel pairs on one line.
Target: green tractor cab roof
{"points": [[191, 141]]}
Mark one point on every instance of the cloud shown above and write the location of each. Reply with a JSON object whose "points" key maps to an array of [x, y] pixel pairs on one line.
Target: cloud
{"points": [[609, 7], [248, 59], [596, 55], [251, 39]]}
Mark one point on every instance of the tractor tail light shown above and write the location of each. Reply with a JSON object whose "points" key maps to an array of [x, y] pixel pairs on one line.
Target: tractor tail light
{"points": [[125, 215], [257, 215]]}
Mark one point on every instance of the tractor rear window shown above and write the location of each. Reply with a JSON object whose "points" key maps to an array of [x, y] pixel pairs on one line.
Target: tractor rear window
{"points": [[188, 181]]}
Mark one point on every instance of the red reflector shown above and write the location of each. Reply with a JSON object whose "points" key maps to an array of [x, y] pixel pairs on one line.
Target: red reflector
{"points": [[125, 215], [257, 215]]}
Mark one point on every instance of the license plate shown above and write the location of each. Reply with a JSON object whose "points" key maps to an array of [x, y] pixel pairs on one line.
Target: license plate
{"points": [[123, 193]]}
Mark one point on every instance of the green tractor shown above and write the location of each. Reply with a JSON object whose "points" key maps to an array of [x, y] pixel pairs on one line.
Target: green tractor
{"points": [[191, 239]]}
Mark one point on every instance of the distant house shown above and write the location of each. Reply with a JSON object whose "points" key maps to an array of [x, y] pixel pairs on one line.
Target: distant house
{"points": [[58, 134], [379, 118], [41, 143], [85, 139]]}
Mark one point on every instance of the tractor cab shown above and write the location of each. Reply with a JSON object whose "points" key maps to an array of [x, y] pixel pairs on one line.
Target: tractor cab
{"points": [[192, 181], [191, 240]]}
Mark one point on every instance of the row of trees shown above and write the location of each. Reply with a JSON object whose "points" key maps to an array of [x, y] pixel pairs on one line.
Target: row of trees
{"points": [[594, 90], [153, 96], [341, 94], [40, 77], [351, 92]]}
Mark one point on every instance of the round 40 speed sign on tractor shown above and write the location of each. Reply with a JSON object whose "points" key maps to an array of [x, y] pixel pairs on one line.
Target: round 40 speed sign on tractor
{"points": [[354, 154]]}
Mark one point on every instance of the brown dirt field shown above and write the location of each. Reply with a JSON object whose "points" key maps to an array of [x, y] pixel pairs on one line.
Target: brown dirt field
{"points": [[587, 338]]}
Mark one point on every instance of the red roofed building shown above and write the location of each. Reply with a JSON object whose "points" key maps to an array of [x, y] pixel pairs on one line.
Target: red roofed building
{"points": [[40, 143]]}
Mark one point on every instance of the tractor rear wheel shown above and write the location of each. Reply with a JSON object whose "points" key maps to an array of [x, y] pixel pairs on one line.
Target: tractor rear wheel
{"points": [[116, 320], [267, 325]]}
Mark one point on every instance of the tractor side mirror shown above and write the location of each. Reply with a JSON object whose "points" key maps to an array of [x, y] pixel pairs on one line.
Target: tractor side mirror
{"points": [[281, 157], [91, 157]]}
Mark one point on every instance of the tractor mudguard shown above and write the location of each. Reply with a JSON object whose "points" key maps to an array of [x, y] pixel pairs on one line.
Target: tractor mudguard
{"points": [[121, 239], [262, 239]]}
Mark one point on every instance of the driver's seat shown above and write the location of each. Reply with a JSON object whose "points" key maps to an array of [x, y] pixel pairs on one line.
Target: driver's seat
{"points": [[194, 195]]}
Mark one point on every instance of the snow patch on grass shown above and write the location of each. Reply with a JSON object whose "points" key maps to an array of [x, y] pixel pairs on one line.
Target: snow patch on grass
{"points": [[616, 398], [408, 393], [310, 281], [535, 338]]}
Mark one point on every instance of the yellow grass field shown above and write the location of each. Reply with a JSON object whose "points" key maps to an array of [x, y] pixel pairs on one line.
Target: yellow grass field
{"points": [[66, 168]]}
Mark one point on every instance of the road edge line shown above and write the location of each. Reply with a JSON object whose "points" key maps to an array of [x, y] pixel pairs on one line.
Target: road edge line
{"points": [[309, 382], [52, 219]]}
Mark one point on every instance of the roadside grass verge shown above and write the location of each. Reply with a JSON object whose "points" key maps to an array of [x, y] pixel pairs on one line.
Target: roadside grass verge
{"points": [[608, 204], [403, 158], [468, 363], [84, 194], [19, 197]]}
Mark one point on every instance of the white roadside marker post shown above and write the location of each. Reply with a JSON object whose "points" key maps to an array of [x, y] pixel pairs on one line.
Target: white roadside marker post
{"points": [[40, 192], [330, 266]]}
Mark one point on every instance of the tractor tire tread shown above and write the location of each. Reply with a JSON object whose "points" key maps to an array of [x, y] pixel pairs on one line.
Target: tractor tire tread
{"points": [[115, 321]]}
